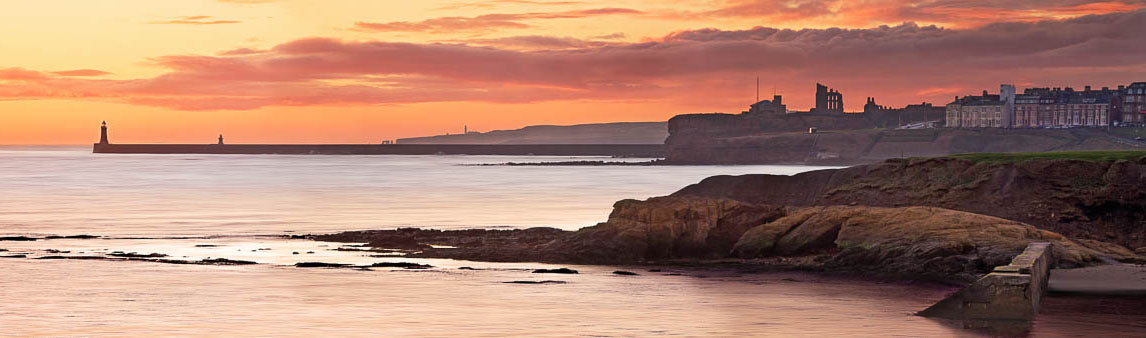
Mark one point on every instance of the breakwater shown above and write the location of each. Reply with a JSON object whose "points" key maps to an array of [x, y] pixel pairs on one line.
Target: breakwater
{"points": [[1010, 293], [615, 150]]}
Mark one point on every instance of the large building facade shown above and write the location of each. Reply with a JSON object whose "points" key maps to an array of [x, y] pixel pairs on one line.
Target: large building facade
{"points": [[1133, 110], [1049, 108], [981, 111]]}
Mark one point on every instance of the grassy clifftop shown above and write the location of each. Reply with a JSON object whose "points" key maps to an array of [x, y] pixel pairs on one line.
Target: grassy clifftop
{"points": [[1091, 156]]}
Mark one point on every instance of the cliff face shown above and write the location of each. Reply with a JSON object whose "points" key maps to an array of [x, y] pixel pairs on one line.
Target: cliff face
{"points": [[1103, 200], [853, 139]]}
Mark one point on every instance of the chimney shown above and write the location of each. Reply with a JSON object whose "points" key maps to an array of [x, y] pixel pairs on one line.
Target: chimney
{"points": [[984, 92], [1121, 87], [1087, 88], [776, 99]]}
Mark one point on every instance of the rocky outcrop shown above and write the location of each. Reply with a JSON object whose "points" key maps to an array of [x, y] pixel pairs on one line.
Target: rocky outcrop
{"points": [[663, 229], [918, 241], [1097, 200]]}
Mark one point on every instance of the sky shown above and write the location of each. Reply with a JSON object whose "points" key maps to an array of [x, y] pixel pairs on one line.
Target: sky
{"points": [[340, 71]]}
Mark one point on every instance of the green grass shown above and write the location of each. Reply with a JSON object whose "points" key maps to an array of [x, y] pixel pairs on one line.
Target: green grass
{"points": [[1093, 156]]}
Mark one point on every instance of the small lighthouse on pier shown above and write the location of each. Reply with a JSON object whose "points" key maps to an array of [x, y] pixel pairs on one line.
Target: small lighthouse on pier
{"points": [[103, 133], [220, 139]]}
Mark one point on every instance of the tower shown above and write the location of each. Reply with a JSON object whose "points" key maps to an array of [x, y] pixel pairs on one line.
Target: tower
{"points": [[1007, 96], [103, 133], [220, 139]]}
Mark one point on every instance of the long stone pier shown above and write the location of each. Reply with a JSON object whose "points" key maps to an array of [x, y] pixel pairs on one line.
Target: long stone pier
{"points": [[615, 150], [1010, 293]]}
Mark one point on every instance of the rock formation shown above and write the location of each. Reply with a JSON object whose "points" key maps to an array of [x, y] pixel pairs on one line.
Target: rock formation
{"points": [[1098, 200]]}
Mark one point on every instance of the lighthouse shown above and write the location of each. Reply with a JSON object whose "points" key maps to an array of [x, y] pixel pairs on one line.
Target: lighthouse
{"points": [[103, 133]]}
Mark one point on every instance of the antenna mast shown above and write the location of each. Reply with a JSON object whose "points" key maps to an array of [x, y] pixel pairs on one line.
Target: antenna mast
{"points": [[757, 90]]}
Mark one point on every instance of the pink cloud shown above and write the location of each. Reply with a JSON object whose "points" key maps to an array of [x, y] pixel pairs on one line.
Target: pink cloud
{"points": [[700, 68]]}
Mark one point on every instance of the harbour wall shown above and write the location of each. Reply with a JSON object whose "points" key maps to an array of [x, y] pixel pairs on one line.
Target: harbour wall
{"points": [[614, 150], [1010, 293]]}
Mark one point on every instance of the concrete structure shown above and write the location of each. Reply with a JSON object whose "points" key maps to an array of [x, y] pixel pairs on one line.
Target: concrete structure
{"points": [[828, 100], [615, 150], [1010, 293]]}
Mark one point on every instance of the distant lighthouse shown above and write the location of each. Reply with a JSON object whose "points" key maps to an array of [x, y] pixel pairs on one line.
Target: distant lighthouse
{"points": [[220, 139], [103, 133]]}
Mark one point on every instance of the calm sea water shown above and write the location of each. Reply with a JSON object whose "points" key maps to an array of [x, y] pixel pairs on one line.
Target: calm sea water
{"points": [[200, 206], [71, 191]]}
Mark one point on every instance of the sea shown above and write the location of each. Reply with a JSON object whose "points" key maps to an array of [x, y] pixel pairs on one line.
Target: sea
{"points": [[193, 207]]}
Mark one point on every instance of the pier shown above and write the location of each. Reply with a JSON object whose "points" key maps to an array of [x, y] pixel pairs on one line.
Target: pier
{"points": [[613, 150], [1007, 297]]}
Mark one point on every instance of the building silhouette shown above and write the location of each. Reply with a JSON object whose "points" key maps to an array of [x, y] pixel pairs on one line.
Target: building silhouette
{"points": [[828, 100]]}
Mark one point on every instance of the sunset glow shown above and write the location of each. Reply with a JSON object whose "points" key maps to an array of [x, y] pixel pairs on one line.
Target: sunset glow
{"points": [[362, 71]]}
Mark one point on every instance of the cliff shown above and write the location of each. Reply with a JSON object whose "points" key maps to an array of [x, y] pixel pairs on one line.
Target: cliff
{"points": [[850, 140], [598, 133]]}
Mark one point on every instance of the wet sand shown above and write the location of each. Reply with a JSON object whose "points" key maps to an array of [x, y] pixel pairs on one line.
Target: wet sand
{"points": [[1106, 280]]}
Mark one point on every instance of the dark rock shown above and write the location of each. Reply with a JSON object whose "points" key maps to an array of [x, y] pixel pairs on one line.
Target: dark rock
{"points": [[224, 261], [536, 282], [135, 255], [625, 273], [15, 256], [3, 250], [560, 270], [294, 253], [72, 237], [654, 270], [17, 239], [309, 252], [94, 258], [468, 268], [404, 265], [319, 265], [206, 245]]}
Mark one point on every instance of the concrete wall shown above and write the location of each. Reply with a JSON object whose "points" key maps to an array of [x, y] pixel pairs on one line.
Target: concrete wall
{"points": [[620, 150], [1010, 292]]}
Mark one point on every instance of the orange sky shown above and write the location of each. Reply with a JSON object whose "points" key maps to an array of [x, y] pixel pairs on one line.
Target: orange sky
{"points": [[340, 71]]}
